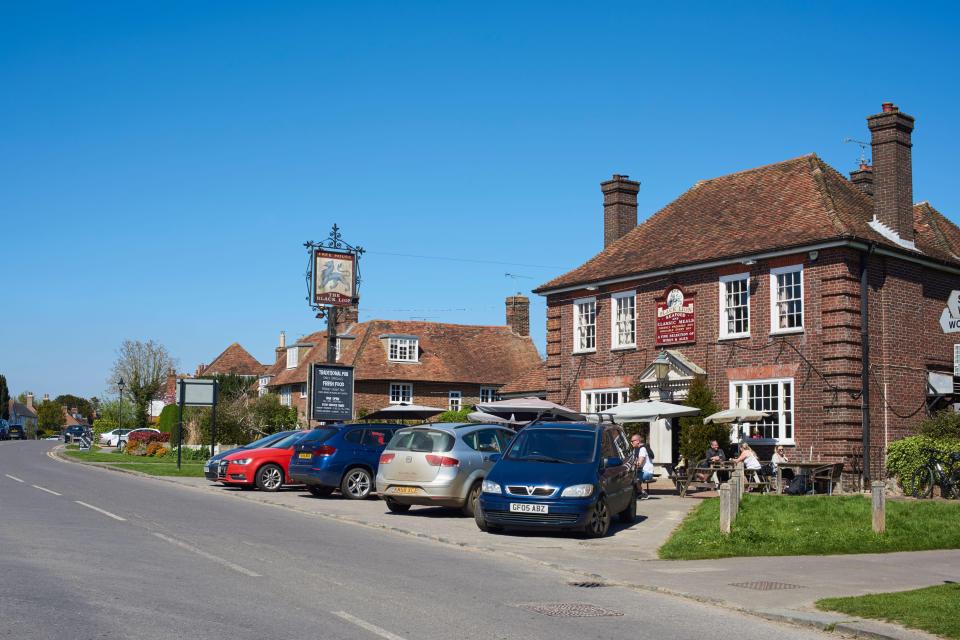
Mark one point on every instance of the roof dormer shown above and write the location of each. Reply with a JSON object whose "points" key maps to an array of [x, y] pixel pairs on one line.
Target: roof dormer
{"points": [[401, 348]]}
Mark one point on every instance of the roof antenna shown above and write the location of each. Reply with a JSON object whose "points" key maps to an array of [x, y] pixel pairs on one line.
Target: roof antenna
{"points": [[515, 276], [863, 151]]}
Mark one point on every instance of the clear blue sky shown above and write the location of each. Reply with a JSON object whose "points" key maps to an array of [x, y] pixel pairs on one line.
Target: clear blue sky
{"points": [[162, 163]]}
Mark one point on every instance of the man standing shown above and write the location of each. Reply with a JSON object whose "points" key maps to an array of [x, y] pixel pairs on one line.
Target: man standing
{"points": [[644, 464]]}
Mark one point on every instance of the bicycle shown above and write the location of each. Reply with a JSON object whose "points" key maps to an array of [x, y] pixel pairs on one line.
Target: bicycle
{"points": [[932, 473]]}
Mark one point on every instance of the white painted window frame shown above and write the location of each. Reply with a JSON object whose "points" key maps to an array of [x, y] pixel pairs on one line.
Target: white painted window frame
{"points": [[303, 390], [402, 385], [293, 358], [454, 395], [614, 313], [412, 346], [576, 324], [490, 392], [736, 431], [586, 408], [724, 282], [775, 312], [286, 397]]}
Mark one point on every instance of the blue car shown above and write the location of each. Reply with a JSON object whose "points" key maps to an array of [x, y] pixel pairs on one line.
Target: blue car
{"points": [[561, 475], [342, 457], [211, 469]]}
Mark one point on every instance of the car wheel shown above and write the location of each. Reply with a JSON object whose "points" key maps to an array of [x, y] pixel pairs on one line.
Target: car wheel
{"points": [[320, 492], [472, 505], [629, 515], [396, 507], [599, 519], [356, 484], [269, 477]]}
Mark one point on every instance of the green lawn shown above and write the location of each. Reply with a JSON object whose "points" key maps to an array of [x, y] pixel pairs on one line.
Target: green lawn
{"points": [[187, 469], [166, 466], [934, 609], [813, 525]]}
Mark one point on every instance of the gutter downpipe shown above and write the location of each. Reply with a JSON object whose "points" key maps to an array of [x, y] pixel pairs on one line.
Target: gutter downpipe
{"points": [[865, 358]]}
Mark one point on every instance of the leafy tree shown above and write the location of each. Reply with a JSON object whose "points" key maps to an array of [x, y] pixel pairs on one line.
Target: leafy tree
{"points": [[268, 415], [943, 424], [695, 436], [50, 416], [167, 422], [4, 399], [111, 410], [143, 367], [22, 396], [455, 416], [82, 404]]}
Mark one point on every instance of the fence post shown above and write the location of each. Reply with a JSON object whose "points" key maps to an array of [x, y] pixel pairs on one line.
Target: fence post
{"points": [[742, 483], [726, 507], [734, 492], [879, 506]]}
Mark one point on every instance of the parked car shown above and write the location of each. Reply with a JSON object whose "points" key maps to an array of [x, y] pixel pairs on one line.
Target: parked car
{"points": [[211, 470], [440, 464], [74, 432], [4, 429], [572, 475], [266, 468], [342, 457], [110, 438], [16, 432]]}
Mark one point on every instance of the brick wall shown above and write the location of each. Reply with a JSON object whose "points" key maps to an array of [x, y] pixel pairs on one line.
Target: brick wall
{"points": [[370, 395]]}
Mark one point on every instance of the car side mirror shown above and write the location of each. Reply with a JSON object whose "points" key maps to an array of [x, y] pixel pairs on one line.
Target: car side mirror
{"points": [[493, 457], [612, 462]]}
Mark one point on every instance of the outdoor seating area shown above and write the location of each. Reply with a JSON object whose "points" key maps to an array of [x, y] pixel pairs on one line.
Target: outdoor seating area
{"points": [[819, 477]]}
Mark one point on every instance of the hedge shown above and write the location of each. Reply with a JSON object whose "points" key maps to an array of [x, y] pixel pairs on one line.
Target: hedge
{"points": [[909, 454]]}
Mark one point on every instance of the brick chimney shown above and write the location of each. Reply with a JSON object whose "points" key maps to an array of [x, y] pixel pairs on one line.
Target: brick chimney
{"points": [[30, 400], [518, 314], [619, 207], [892, 169], [170, 387], [46, 397], [862, 178], [281, 350], [346, 317]]}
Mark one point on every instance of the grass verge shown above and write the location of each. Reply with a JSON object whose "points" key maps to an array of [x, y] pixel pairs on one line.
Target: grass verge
{"points": [[186, 470], [933, 609], [166, 466], [813, 525]]}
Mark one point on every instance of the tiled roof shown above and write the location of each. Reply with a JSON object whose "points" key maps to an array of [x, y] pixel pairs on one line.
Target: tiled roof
{"points": [[234, 360], [448, 353], [21, 409], [531, 381], [733, 215]]}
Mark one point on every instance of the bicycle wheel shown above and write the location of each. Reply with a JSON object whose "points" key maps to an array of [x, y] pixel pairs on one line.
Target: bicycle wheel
{"points": [[921, 483]]}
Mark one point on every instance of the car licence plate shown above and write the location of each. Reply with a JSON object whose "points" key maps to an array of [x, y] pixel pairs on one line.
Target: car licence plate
{"points": [[305, 456], [405, 490], [521, 507]]}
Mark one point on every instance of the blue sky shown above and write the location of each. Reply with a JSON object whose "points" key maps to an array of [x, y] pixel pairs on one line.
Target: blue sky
{"points": [[164, 162]]}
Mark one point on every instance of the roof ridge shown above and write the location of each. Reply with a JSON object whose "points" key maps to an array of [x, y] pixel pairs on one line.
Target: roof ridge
{"points": [[818, 170], [753, 169]]}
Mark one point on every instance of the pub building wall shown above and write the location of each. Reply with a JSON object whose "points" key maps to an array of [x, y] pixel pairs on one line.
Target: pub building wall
{"points": [[824, 361], [375, 394]]}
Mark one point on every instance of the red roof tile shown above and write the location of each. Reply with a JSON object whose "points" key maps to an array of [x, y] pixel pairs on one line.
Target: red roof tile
{"points": [[234, 360], [532, 381]]}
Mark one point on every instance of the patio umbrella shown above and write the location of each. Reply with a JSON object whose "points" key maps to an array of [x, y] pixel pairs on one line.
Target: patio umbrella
{"points": [[737, 415], [649, 410], [404, 411], [527, 409]]}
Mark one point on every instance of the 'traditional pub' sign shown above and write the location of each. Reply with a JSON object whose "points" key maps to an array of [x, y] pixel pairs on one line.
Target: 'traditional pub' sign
{"points": [[331, 387], [676, 318]]}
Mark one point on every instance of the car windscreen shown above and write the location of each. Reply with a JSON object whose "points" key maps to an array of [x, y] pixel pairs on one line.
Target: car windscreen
{"points": [[289, 441], [317, 436], [574, 446], [265, 440], [426, 440]]}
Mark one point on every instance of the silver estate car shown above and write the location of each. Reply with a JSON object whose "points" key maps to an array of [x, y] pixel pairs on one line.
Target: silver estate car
{"points": [[440, 464]]}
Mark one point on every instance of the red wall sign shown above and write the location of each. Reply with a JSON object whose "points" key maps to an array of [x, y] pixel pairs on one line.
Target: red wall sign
{"points": [[676, 318]]}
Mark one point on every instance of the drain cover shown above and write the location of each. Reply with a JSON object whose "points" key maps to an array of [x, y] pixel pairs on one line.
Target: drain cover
{"points": [[588, 585], [765, 585], [569, 609]]}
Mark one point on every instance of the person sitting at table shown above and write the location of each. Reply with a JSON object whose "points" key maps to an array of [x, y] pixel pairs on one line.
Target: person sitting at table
{"points": [[778, 459], [750, 461], [715, 455]]}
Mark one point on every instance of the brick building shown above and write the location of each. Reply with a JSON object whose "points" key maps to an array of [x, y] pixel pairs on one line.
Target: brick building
{"points": [[429, 363], [765, 282]]}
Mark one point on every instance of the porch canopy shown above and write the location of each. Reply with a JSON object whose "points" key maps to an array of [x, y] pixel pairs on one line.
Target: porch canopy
{"points": [[648, 410], [527, 409], [404, 411]]}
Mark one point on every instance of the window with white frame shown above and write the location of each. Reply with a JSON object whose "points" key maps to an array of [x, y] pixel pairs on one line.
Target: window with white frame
{"points": [[285, 398], [401, 392], [786, 299], [488, 394], [454, 400], [303, 390], [262, 388], [403, 349], [585, 325], [599, 400], [774, 397], [293, 357], [735, 305], [624, 316]]}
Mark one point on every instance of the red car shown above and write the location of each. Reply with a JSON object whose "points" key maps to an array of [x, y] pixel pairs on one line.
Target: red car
{"points": [[266, 468]]}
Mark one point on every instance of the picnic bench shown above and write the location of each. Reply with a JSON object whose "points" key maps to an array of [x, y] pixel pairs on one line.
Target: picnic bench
{"points": [[702, 475], [827, 474]]}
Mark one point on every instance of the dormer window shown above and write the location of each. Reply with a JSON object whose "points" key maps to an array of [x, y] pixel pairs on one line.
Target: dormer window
{"points": [[293, 357], [403, 349]]}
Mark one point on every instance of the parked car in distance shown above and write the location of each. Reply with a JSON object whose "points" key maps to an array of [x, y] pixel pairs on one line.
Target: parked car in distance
{"points": [[110, 438], [74, 432], [266, 468], [4, 429], [572, 475], [342, 457], [16, 432], [211, 469], [440, 464]]}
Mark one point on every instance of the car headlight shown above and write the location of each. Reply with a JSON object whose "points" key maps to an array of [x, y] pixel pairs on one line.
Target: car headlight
{"points": [[491, 487], [241, 461], [578, 491]]}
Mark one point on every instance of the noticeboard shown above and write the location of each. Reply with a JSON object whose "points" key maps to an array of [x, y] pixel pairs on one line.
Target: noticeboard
{"points": [[198, 392], [331, 386]]}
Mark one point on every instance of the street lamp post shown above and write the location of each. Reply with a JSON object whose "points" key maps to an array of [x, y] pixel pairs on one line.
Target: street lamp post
{"points": [[661, 367], [120, 386]]}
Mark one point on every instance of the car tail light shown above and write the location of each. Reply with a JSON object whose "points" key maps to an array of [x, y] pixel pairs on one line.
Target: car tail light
{"points": [[387, 457], [325, 450], [442, 461]]}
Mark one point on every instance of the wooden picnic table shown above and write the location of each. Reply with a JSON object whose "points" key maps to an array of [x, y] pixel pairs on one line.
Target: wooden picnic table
{"points": [[828, 472], [706, 470]]}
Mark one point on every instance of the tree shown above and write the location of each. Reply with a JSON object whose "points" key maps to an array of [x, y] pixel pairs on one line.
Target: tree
{"points": [[267, 415], [50, 417], [4, 399], [143, 367], [69, 401], [695, 436]]}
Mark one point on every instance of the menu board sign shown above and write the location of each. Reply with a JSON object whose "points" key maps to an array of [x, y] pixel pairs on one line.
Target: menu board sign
{"points": [[676, 318]]}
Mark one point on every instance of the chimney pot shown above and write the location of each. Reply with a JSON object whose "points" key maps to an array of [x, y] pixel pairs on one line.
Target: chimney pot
{"points": [[518, 314], [862, 178], [619, 207], [30, 400], [283, 339], [889, 107]]}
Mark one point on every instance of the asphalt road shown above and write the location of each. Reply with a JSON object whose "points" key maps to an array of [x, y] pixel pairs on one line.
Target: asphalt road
{"points": [[88, 553]]}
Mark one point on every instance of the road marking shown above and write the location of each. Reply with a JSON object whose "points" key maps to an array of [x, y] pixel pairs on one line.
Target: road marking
{"points": [[363, 624], [208, 556], [35, 486], [13, 477], [103, 511]]}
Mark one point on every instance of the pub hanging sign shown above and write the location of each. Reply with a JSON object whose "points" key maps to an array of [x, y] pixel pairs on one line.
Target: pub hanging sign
{"points": [[676, 317]]}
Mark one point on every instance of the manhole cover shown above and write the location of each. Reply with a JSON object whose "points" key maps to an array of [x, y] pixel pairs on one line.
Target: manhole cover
{"points": [[765, 585], [569, 609], [588, 585]]}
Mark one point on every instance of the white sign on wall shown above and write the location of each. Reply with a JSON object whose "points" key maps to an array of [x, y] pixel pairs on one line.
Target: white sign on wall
{"points": [[950, 318]]}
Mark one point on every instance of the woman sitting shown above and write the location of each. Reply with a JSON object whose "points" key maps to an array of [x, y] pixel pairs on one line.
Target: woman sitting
{"points": [[751, 463], [778, 459]]}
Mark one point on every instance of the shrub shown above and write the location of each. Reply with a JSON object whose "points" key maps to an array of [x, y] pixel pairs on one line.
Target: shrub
{"points": [[135, 448], [943, 424], [167, 422], [146, 437], [153, 447], [160, 452], [695, 436], [454, 416], [909, 454], [101, 426]]}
